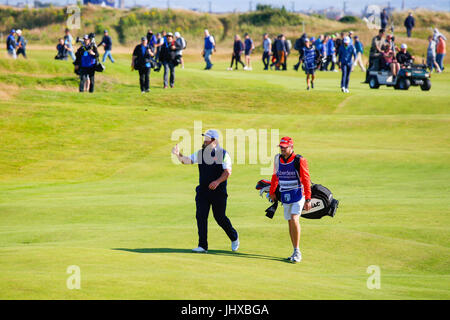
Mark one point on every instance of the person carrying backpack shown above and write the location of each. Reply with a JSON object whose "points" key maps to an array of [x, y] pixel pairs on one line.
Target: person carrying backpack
{"points": [[182, 44], [85, 62], [310, 57]]}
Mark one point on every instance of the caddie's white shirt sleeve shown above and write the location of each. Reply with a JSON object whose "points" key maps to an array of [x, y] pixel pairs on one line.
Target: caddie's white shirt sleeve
{"points": [[226, 164], [194, 157]]}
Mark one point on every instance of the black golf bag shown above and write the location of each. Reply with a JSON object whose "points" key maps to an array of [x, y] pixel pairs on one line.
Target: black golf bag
{"points": [[322, 201]]}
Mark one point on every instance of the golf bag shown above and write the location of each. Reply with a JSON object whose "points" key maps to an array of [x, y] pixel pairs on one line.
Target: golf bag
{"points": [[322, 201]]}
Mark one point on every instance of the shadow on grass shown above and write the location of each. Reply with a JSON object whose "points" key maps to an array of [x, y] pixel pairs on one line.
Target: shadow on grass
{"points": [[215, 252]]}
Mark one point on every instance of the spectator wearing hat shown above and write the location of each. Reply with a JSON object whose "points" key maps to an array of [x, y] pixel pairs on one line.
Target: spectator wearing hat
{"points": [[168, 58], [359, 47], [403, 56], [347, 53], [214, 164], [86, 60], [141, 61], [291, 174], [107, 45], [21, 44], [11, 44]]}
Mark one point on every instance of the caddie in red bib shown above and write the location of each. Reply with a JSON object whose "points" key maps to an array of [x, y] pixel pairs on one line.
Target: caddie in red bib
{"points": [[292, 175]]}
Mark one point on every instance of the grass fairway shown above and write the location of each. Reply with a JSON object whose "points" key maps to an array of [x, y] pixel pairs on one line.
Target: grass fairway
{"points": [[87, 180]]}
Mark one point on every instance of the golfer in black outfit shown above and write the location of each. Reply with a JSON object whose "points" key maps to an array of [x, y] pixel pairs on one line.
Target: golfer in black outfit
{"points": [[214, 164], [141, 61]]}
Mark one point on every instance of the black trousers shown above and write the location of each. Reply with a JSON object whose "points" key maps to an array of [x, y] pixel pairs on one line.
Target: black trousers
{"points": [[144, 78], [217, 199], [236, 58], [21, 51], [266, 60]]}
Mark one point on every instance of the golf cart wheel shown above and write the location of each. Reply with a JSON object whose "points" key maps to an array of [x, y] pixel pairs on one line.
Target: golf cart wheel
{"points": [[426, 85], [404, 84], [373, 82]]}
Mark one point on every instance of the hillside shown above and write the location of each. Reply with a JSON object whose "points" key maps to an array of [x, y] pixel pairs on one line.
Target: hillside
{"points": [[45, 26]]}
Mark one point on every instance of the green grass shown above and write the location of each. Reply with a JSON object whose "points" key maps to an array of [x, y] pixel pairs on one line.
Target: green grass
{"points": [[87, 180]]}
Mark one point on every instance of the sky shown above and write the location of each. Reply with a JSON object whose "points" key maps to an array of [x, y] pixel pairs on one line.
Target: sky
{"points": [[244, 5]]}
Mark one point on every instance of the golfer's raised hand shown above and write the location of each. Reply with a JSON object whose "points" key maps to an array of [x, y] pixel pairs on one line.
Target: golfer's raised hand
{"points": [[213, 185], [175, 150]]}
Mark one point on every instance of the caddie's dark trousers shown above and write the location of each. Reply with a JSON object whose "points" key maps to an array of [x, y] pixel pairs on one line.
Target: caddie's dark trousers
{"points": [[217, 199]]}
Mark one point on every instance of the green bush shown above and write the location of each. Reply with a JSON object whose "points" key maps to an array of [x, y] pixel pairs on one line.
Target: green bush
{"points": [[270, 16], [349, 19]]}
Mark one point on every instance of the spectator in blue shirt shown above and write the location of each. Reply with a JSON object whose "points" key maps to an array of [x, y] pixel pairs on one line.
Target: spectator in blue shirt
{"points": [[331, 54], [68, 42], [11, 44], [359, 53], [309, 57], [62, 50], [249, 46], [151, 40], [319, 43], [208, 48], [107, 44], [347, 53]]}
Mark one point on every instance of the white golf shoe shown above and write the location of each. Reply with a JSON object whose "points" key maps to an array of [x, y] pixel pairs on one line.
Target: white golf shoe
{"points": [[199, 250], [235, 244], [296, 256]]}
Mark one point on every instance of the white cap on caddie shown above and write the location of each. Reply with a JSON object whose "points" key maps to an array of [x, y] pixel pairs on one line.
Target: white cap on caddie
{"points": [[347, 40]]}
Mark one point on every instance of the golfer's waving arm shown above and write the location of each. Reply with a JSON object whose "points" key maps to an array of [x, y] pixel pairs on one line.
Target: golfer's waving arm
{"points": [[181, 158]]}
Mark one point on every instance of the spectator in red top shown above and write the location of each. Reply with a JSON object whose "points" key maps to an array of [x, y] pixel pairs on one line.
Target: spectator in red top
{"points": [[390, 61], [292, 175], [440, 52]]}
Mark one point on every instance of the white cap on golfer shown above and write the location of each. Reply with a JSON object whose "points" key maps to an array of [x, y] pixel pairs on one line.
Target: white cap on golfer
{"points": [[213, 134], [404, 46], [347, 40]]}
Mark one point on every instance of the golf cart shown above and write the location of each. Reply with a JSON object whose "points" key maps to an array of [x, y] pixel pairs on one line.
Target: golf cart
{"points": [[409, 75]]}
